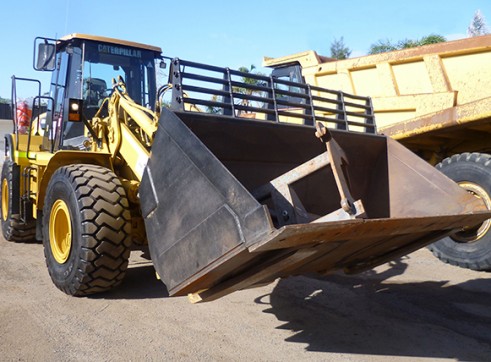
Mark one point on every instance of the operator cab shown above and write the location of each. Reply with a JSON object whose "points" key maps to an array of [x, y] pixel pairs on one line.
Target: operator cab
{"points": [[83, 69], [289, 74]]}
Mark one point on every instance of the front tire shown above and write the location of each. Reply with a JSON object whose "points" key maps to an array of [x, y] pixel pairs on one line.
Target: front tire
{"points": [[469, 248], [13, 228], [86, 229]]}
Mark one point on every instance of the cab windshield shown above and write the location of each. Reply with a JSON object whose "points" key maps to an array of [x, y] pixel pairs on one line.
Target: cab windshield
{"points": [[104, 62]]}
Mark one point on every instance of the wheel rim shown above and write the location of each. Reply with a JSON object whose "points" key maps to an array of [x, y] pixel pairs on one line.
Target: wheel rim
{"points": [[5, 199], [471, 235], [60, 231]]}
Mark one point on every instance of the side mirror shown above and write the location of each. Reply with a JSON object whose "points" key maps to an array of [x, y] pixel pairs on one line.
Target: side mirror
{"points": [[44, 54]]}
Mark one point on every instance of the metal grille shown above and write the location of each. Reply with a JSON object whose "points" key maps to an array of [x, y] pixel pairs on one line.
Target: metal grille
{"points": [[223, 91]]}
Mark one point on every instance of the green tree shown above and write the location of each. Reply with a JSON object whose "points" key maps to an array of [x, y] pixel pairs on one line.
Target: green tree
{"points": [[249, 81], [478, 25], [386, 45], [4, 100], [382, 46], [246, 90], [339, 50], [432, 39], [213, 109], [407, 43]]}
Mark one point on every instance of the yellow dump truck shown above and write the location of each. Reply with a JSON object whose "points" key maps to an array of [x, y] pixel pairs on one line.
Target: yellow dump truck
{"points": [[220, 199], [435, 100]]}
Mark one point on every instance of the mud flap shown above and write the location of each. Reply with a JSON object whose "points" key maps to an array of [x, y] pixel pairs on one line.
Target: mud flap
{"points": [[210, 236]]}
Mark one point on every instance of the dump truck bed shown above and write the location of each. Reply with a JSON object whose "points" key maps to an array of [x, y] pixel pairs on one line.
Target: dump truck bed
{"points": [[435, 99], [231, 202]]}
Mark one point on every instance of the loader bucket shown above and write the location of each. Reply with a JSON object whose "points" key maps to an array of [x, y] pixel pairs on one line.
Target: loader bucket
{"points": [[233, 203]]}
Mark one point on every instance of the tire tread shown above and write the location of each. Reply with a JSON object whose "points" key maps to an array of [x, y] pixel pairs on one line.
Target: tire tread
{"points": [[482, 263], [106, 229], [14, 229]]}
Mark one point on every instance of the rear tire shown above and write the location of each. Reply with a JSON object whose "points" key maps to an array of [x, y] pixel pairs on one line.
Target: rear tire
{"points": [[470, 248], [13, 229], [86, 229]]}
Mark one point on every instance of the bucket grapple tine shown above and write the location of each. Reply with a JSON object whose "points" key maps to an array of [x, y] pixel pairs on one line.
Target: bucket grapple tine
{"points": [[339, 162]]}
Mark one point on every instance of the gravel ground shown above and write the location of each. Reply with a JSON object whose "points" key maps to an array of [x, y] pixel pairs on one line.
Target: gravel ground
{"points": [[415, 308]]}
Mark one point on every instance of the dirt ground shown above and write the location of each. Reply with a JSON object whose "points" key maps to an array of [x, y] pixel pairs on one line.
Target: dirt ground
{"points": [[415, 308]]}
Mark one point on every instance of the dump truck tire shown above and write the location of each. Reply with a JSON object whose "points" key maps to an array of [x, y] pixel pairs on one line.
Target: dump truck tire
{"points": [[86, 229], [13, 229], [470, 248]]}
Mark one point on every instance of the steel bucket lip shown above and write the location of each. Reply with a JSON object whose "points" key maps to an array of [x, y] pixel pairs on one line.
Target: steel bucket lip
{"points": [[355, 254], [358, 229]]}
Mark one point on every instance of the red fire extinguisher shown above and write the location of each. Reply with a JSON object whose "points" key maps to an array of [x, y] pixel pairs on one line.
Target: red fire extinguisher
{"points": [[23, 117]]}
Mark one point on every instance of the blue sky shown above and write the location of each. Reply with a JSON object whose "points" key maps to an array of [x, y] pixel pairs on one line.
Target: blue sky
{"points": [[227, 33]]}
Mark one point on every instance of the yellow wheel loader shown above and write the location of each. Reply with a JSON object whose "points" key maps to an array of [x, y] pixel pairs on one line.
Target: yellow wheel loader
{"points": [[236, 180]]}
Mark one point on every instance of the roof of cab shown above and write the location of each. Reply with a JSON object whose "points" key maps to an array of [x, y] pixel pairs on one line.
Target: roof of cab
{"points": [[111, 40]]}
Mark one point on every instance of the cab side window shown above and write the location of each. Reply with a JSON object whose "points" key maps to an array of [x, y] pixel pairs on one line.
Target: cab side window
{"points": [[287, 74], [53, 129]]}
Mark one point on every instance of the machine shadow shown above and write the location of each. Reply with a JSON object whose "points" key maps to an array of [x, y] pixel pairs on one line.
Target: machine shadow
{"points": [[140, 282], [368, 314]]}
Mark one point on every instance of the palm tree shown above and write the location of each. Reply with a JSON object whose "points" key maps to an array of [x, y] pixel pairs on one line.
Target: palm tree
{"points": [[249, 88], [243, 91]]}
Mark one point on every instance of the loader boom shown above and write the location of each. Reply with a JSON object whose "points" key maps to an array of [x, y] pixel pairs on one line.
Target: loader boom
{"points": [[130, 140]]}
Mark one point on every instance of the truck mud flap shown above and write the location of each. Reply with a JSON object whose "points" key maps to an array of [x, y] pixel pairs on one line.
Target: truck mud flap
{"points": [[232, 203]]}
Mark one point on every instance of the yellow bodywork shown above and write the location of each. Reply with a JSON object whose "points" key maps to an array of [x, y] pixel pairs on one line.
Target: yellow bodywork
{"points": [[421, 96], [125, 135], [104, 39]]}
